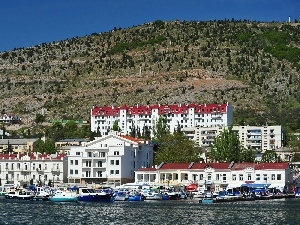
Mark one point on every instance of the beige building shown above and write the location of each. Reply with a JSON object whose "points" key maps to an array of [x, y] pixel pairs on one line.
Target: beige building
{"points": [[251, 137], [18, 145]]}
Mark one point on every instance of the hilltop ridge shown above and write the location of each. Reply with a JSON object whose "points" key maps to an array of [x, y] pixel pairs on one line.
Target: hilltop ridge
{"points": [[252, 65]]}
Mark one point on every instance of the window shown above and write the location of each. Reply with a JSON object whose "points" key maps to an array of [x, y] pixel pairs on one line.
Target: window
{"points": [[278, 176], [209, 176], [233, 176], [116, 152], [241, 177], [77, 153], [76, 162], [102, 154], [111, 172], [224, 177], [33, 166], [112, 162], [89, 154], [200, 176], [273, 176], [217, 176], [99, 163], [99, 173], [71, 162], [249, 176], [18, 165], [71, 171], [45, 166], [76, 171], [265, 177], [117, 172], [117, 162], [12, 166], [257, 176]]}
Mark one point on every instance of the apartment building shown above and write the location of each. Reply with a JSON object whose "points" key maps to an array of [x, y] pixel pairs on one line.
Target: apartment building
{"points": [[111, 159], [19, 169], [258, 138], [191, 115]]}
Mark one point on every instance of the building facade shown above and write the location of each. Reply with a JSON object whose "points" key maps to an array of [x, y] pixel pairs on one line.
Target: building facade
{"points": [[109, 160], [257, 138], [217, 176], [192, 115], [22, 146], [19, 169]]}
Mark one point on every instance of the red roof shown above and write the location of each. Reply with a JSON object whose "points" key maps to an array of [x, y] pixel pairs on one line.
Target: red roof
{"points": [[147, 169], [218, 166], [261, 166], [174, 166], [131, 138], [32, 156]]}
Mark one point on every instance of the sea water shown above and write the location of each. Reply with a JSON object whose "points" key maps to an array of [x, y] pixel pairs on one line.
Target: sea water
{"points": [[281, 211]]}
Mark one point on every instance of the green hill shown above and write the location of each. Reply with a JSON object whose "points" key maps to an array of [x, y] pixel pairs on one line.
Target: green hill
{"points": [[252, 65]]}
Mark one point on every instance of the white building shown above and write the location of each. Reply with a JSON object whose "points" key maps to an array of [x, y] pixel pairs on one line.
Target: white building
{"points": [[259, 138], [19, 169], [192, 115], [217, 176], [109, 160]]}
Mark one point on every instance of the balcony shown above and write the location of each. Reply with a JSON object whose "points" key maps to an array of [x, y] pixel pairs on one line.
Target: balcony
{"points": [[39, 170], [55, 170]]}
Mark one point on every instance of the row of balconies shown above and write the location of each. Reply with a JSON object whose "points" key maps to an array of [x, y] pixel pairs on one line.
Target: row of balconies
{"points": [[37, 169]]}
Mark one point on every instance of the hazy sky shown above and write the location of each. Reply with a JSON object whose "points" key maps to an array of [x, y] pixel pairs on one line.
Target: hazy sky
{"points": [[26, 23]]}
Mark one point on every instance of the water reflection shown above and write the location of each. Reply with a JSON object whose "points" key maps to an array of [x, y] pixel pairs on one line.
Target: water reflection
{"points": [[162, 212]]}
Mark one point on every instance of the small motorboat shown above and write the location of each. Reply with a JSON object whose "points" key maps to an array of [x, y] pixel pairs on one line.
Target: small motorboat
{"points": [[64, 196]]}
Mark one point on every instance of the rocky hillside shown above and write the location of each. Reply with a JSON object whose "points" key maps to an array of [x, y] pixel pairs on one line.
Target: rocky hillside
{"points": [[254, 66]]}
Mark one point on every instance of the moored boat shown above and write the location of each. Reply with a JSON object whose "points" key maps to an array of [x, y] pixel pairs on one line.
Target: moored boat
{"points": [[90, 195], [64, 196]]}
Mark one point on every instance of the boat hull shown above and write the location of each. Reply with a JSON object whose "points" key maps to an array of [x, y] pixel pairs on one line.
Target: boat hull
{"points": [[96, 198], [63, 199]]}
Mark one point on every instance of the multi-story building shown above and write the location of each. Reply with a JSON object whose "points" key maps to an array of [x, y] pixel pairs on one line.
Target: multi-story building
{"points": [[217, 176], [23, 145], [19, 169], [111, 159], [191, 115], [257, 138]]}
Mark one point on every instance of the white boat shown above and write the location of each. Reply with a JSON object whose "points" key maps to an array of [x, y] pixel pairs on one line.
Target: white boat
{"points": [[64, 196], [151, 195], [20, 194]]}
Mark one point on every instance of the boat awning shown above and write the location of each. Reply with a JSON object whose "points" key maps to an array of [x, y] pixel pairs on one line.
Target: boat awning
{"points": [[236, 185], [256, 186], [278, 186]]}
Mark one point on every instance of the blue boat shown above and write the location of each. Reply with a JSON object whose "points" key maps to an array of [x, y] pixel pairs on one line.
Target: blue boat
{"points": [[206, 200], [135, 198], [90, 195]]}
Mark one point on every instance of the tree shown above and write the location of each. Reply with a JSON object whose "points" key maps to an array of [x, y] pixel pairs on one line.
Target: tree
{"points": [[177, 148], [269, 156], [133, 132], [39, 118], [227, 148], [161, 129], [116, 126]]}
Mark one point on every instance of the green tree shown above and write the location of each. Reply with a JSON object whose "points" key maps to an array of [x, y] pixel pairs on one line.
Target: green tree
{"points": [[227, 148], [161, 129], [177, 148], [269, 156], [116, 126], [133, 132], [39, 118]]}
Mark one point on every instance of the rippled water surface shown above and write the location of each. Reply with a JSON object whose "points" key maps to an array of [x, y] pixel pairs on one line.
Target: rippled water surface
{"points": [[282, 211]]}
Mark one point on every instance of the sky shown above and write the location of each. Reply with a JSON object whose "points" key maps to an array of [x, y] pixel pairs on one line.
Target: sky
{"points": [[26, 23]]}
